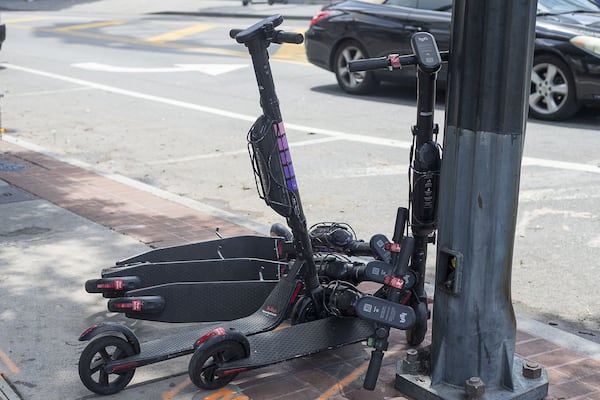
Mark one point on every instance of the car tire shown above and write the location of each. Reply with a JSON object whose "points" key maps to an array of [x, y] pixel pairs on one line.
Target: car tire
{"points": [[552, 96], [352, 82]]}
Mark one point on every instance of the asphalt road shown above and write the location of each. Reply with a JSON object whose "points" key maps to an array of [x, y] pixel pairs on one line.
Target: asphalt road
{"points": [[168, 100]]}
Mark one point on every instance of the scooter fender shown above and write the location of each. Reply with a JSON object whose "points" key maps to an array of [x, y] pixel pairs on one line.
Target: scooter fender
{"points": [[222, 334], [111, 327]]}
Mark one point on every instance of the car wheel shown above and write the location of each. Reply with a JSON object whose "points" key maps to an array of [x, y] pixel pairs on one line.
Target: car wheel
{"points": [[352, 82], [552, 95]]}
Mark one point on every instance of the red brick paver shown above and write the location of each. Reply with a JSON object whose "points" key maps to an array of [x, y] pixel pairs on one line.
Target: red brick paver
{"points": [[142, 215]]}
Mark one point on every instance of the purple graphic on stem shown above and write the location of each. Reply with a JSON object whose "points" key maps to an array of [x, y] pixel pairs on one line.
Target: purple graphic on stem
{"points": [[285, 157]]}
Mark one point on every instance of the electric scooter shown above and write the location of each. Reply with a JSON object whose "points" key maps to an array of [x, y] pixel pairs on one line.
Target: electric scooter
{"points": [[425, 161], [151, 286], [109, 361], [223, 353], [192, 282]]}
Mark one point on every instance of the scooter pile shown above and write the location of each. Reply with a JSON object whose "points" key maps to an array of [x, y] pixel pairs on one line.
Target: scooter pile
{"points": [[253, 284]]}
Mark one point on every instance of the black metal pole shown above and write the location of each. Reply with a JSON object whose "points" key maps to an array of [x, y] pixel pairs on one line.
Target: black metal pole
{"points": [[474, 327]]}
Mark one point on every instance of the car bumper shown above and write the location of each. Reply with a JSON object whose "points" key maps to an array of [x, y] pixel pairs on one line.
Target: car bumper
{"points": [[318, 46]]}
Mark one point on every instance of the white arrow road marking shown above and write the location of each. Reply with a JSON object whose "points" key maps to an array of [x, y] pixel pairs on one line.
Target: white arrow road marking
{"points": [[209, 69]]}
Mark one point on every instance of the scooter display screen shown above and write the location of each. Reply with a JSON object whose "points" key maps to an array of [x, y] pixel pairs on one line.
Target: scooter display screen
{"points": [[426, 50]]}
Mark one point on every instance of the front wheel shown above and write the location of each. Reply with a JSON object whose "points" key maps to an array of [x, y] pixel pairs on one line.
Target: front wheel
{"points": [[96, 355], [304, 311], [552, 95], [205, 361], [353, 82], [416, 334]]}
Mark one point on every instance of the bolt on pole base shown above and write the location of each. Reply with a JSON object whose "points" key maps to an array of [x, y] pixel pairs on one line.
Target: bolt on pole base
{"points": [[419, 386]]}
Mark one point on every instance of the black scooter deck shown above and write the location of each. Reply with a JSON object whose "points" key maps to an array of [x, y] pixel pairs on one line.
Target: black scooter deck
{"points": [[234, 269], [263, 247], [269, 316], [203, 301], [301, 340]]}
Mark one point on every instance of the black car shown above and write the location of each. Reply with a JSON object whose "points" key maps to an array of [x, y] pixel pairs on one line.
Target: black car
{"points": [[2, 34], [566, 65]]}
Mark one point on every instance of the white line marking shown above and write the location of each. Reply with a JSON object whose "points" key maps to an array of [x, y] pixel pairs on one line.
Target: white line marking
{"points": [[209, 69], [527, 161], [210, 110], [540, 162], [236, 152]]}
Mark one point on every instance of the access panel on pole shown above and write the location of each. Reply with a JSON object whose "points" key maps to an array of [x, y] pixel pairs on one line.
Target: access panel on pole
{"points": [[474, 327]]}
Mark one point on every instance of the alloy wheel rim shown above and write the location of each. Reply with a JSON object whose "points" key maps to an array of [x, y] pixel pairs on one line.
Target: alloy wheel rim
{"points": [[549, 89], [350, 79]]}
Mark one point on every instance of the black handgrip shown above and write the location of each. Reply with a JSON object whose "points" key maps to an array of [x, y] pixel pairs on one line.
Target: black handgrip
{"points": [[408, 244], [401, 263], [288, 37], [401, 218], [373, 370], [233, 33], [368, 64], [359, 248]]}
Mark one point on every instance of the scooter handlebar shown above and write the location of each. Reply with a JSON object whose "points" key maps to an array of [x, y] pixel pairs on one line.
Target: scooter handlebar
{"points": [[392, 61], [279, 36], [288, 37]]}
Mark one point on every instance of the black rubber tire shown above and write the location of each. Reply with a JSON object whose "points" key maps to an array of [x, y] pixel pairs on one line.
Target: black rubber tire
{"points": [[280, 230], [303, 311], [552, 95], [245, 2], [416, 334], [204, 362], [96, 354], [353, 82]]}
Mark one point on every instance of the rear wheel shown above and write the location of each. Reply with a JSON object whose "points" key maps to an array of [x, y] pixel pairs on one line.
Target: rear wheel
{"points": [[552, 95], [95, 356], [204, 363], [353, 82]]}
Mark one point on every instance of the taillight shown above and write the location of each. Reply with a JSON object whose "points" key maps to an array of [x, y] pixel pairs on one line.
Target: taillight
{"points": [[320, 16], [215, 332]]}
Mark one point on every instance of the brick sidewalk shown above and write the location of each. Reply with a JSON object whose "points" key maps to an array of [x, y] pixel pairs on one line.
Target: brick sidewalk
{"points": [[144, 216], [159, 222]]}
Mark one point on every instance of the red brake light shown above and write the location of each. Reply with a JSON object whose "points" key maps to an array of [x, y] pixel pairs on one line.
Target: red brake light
{"points": [[321, 15], [115, 285]]}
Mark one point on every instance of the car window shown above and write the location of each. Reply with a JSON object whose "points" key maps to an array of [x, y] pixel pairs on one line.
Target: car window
{"points": [[402, 3], [435, 5], [565, 6]]}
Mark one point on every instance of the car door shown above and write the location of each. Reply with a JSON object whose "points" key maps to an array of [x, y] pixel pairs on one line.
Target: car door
{"points": [[382, 28], [433, 16]]}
